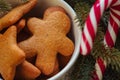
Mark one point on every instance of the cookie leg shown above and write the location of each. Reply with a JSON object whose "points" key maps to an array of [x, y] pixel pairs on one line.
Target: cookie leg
{"points": [[27, 71], [66, 48], [56, 69], [46, 61]]}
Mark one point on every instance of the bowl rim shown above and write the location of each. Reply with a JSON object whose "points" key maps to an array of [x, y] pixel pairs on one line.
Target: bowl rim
{"points": [[75, 55]]}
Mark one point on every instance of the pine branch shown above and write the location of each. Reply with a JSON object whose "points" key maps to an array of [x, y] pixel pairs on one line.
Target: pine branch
{"points": [[110, 55], [83, 69], [4, 7], [82, 10], [117, 44], [111, 74], [15, 3], [7, 5]]}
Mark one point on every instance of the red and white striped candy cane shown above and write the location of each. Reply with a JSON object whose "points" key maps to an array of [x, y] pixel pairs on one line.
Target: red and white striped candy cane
{"points": [[109, 39], [113, 26], [100, 67], [90, 28]]}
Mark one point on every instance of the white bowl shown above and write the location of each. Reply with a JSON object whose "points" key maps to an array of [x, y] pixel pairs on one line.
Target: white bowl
{"points": [[76, 33]]}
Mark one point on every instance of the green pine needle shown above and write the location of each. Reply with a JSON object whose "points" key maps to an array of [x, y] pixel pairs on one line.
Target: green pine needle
{"points": [[4, 7], [83, 69], [82, 10], [7, 5], [110, 55], [24, 1]]}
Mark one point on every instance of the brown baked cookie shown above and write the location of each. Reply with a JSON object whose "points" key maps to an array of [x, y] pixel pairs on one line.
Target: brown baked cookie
{"points": [[15, 14], [52, 9], [10, 54], [27, 71], [20, 25], [56, 69], [49, 38]]}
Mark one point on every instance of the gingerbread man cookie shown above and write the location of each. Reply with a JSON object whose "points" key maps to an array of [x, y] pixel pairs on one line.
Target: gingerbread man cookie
{"points": [[49, 39], [10, 54]]}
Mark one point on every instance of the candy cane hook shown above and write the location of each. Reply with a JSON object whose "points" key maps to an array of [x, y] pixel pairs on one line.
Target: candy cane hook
{"points": [[109, 39], [113, 25], [90, 28]]}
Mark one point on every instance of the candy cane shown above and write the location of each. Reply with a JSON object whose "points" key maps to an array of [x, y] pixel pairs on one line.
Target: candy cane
{"points": [[109, 39], [113, 26], [100, 68], [90, 30]]}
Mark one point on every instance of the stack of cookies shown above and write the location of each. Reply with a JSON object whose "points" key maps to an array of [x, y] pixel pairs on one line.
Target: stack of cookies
{"points": [[32, 47]]}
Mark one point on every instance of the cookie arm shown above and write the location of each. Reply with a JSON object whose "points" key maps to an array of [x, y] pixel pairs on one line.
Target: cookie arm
{"points": [[34, 24], [27, 71], [66, 47], [11, 34]]}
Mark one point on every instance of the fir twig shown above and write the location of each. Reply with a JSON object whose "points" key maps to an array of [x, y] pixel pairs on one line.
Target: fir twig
{"points": [[110, 55], [7, 5], [111, 74], [4, 7], [83, 68], [80, 11]]}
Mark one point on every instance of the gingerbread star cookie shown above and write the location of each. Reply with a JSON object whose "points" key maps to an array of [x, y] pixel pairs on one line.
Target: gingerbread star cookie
{"points": [[49, 39], [10, 54]]}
